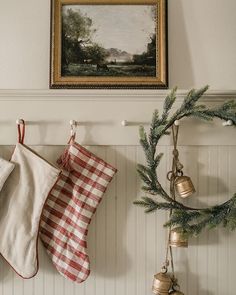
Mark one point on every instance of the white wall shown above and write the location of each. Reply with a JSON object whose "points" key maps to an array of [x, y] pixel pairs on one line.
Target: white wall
{"points": [[126, 246], [202, 43]]}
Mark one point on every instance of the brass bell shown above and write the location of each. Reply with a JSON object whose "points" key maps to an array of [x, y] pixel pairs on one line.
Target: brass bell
{"points": [[178, 238], [184, 186], [162, 283]]}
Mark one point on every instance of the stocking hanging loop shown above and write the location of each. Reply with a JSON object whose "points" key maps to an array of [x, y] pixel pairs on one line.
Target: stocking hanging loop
{"points": [[21, 130], [73, 129]]}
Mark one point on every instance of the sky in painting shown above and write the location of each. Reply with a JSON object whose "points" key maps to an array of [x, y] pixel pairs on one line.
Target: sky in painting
{"points": [[125, 27]]}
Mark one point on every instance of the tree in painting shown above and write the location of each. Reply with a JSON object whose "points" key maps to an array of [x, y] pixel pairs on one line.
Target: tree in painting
{"points": [[76, 35], [91, 48], [148, 57]]}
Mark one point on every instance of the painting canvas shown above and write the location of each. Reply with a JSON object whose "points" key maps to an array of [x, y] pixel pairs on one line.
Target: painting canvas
{"points": [[107, 44]]}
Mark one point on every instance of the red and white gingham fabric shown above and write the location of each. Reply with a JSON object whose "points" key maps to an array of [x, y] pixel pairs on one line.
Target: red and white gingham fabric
{"points": [[69, 209]]}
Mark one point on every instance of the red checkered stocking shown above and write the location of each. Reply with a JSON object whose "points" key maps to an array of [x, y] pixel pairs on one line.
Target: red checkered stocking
{"points": [[70, 207]]}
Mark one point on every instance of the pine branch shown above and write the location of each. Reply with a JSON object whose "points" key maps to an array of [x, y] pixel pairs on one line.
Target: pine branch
{"points": [[143, 138], [158, 159], [192, 97], [155, 119], [226, 111], [151, 205], [191, 220], [169, 101], [221, 114], [144, 177]]}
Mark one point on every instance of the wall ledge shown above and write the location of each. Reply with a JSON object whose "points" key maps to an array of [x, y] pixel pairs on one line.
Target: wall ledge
{"points": [[106, 95]]}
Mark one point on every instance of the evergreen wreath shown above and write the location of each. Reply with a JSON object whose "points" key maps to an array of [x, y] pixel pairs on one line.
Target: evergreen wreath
{"points": [[191, 221]]}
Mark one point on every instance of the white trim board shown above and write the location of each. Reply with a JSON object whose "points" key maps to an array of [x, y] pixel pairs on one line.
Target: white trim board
{"points": [[106, 95], [47, 113]]}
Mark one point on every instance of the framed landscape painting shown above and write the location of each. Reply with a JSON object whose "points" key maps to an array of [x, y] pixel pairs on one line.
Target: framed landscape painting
{"points": [[108, 44]]}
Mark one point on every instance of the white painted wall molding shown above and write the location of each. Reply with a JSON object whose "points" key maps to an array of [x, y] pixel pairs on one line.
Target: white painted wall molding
{"points": [[47, 114], [106, 95]]}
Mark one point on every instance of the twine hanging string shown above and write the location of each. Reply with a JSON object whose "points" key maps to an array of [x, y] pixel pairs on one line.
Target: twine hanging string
{"points": [[176, 170]]}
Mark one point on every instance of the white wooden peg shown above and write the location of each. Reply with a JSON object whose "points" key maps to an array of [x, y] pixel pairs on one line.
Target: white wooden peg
{"points": [[176, 123], [227, 123], [73, 127], [73, 123], [124, 123], [19, 121]]}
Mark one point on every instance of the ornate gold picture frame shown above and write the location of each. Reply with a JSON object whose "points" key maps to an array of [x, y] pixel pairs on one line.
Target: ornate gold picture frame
{"points": [[108, 44]]}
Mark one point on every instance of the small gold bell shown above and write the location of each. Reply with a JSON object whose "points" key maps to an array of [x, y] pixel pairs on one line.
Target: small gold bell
{"points": [[178, 238], [161, 284], [184, 186]]}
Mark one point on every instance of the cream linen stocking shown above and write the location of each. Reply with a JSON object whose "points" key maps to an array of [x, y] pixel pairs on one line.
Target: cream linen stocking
{"points": [[6, 168], [21, 202]]}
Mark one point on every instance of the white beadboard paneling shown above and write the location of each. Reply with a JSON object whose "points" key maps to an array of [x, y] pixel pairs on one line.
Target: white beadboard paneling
{"points": [[231, 238], [127, 247], [225, 191], [100, 234], [131, 234], [141, 231]]}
